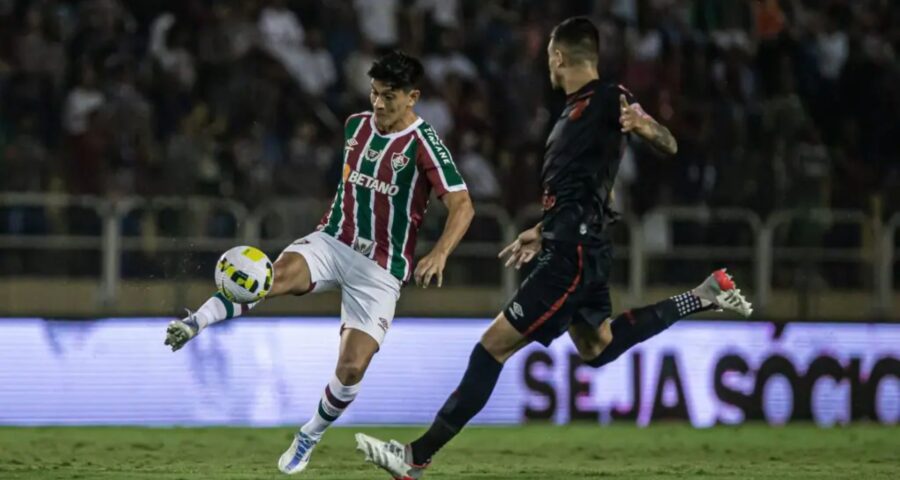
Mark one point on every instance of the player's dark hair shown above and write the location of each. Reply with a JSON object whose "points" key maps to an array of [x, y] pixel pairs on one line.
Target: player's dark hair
{"points": [[398, 70], [578, 37]]}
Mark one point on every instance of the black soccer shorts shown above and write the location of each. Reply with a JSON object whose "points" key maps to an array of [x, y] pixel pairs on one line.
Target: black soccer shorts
{"points": [[569, 283]]}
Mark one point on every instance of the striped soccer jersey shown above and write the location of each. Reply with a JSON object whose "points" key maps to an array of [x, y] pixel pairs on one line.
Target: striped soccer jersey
{"points": [[384, 190]]}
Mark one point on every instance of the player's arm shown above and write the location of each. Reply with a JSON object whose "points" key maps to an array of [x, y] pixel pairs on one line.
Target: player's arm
{"points": [[634, 119], [461, 211]]}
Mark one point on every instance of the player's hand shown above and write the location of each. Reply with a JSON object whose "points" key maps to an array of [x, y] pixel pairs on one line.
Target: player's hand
{"points": [[523, 249], [633, 117], [431, 266]]}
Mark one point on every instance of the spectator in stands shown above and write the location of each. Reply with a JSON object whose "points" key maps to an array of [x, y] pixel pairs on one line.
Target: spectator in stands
{"points": [[448, 60], [83, 100], [378, 21], [477, 170], [434, 109], [107, 86], [26, 160], [357, 81], [317, 72]]}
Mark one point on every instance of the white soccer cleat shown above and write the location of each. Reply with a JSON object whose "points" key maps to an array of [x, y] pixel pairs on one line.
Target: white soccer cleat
{"points": [[393, 457], [182, 331], [720, 291], [296, 458]]}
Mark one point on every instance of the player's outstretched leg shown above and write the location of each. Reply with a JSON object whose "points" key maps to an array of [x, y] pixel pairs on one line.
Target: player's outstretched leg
{"points": [[357, 350], [718, 291], [407, 462], [216, 309], [291, 276]]}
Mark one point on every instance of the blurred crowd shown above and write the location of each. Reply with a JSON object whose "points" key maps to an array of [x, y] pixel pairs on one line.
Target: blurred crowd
{"points": [[775, 103]]}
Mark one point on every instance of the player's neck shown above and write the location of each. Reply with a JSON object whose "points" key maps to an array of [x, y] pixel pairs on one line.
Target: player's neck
{"points": [[402, 124], [576, 79]]}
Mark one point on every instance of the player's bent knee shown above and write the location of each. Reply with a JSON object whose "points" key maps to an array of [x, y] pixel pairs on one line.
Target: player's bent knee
{"points": [[350, 373], [591, 342], [587, 348], [612, 350], [589, 351], [601, 351], [501, 339], [292, 275], [599, 344]]}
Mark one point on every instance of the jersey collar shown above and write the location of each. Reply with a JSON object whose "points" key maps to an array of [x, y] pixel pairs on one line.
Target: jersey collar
{"points": [[586, 91], [401, 133]]}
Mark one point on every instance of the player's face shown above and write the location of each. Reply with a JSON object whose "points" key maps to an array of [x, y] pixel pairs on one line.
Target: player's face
{"points": [[554, 61], [390, 104]]}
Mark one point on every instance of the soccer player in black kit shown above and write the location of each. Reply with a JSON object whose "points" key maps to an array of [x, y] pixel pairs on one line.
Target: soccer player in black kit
{"points": [[568, 290]]}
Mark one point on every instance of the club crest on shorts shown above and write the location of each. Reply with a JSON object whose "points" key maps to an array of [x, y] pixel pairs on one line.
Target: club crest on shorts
{"points": [[383, 323], [372, 155], [363, 246], [399, 161]]}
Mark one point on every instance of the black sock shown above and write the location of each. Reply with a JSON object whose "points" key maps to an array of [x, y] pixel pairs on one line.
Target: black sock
{"points": [[469, 398], [635, 326]]}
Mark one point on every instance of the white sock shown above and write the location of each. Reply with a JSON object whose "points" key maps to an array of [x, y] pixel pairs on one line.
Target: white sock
{"points": [[335, 400], [219, 308]]}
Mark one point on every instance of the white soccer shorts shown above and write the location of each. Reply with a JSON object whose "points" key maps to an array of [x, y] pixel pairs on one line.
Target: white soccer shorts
{"points": [[369, 293]]}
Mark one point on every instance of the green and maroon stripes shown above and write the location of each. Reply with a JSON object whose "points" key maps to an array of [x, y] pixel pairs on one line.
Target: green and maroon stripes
{"points": [[418, 202], [351, 126], [347, 229], [352, 129], [382, 195], [229, 306], [234, 309], [324, 414], [334, 400], [331, 407], [386, 212], [383, 211], [441, 170], [364, 195]]}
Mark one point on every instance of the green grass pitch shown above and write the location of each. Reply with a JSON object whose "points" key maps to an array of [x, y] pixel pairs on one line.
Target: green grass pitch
{"points": [[522, 453]]}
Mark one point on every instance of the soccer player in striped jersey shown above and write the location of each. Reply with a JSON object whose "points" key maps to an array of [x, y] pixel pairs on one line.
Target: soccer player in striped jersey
{"points": [[365, 243]]}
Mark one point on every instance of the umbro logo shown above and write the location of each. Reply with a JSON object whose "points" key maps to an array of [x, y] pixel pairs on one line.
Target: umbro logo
{"points": [[516, 310], [351, 143], [383, 323]]}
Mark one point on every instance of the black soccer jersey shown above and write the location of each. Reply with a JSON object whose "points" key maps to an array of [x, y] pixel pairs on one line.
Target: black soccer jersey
{"points": [[580, 164]]}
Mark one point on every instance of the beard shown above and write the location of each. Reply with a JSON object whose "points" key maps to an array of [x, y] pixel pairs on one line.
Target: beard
{"points": [[555, 81]]}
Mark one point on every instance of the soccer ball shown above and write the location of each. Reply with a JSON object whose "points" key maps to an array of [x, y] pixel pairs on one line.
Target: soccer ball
{"points": [[244, 274]]}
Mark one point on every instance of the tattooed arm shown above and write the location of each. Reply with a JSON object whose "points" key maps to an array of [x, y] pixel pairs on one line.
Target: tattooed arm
{"points": [[634, 119]]}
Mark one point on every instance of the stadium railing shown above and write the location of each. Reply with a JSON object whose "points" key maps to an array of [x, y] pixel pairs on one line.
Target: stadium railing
{"points": [[805, 248], [117, 227], [885, 271]]}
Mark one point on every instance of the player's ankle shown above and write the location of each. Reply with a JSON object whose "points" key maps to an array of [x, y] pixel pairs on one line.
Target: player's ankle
{"points": [[418, 457], [703, 302]]}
